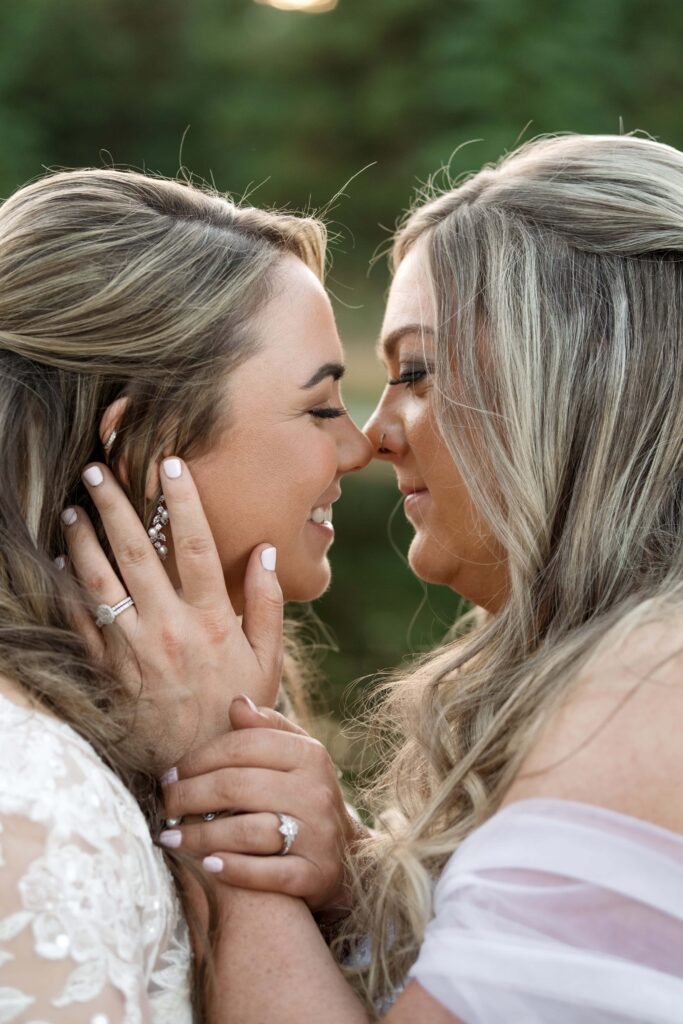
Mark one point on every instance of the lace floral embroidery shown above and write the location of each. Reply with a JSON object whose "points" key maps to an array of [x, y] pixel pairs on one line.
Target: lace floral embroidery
{"points": [[90, 928]]}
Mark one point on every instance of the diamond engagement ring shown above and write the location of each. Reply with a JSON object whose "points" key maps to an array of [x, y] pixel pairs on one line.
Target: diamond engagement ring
{"points": [[289, 829], [106, 613]]}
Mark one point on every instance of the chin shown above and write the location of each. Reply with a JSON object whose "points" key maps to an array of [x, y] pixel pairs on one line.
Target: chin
{"points": [[428, 561], [306, 584]]}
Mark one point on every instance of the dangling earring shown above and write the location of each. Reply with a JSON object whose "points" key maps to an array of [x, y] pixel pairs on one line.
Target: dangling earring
{"points": [[156, 530]]}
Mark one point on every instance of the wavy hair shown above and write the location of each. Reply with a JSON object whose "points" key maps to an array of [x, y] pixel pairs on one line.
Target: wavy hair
{"points": [[112, 283], [557, 276]]}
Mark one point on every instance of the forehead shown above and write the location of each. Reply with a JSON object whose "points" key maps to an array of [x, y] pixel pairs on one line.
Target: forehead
{"points": [[296, 327], [410, 297]]}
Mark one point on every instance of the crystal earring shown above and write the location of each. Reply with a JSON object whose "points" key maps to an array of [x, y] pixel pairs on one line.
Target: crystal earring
{"points": [[156, 530]]}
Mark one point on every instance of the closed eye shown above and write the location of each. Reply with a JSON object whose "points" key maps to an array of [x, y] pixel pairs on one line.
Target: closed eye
{"points": [[327, 413]]}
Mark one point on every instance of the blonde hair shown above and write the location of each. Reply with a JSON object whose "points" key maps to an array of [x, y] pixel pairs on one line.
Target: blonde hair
{"points": [[558, 283], [112, 283]]}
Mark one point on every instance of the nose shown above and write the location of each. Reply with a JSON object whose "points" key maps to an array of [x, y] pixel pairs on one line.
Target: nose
{"points": [[383, 431], [355, 451]]}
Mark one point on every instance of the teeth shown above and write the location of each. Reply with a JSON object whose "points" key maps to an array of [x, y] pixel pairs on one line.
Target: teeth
{"points": [[323, 514]]}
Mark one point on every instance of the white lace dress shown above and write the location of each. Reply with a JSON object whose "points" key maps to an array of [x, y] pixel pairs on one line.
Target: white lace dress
{"points": [[91, 931]]}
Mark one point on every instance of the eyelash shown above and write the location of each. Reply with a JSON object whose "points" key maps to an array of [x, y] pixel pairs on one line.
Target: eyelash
{"points": [[327, 413], [409, 377]]}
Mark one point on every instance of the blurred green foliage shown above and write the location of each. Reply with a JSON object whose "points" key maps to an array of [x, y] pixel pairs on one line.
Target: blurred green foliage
{"points": [[289, 107]]}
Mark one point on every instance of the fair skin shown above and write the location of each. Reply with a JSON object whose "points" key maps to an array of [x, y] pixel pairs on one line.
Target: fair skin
{"points": [[452, 545], [280, 459], [595, 750]]}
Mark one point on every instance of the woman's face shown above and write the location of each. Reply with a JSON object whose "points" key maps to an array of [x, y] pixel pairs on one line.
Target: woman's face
{"points": [[275, 472], [452, 545]]}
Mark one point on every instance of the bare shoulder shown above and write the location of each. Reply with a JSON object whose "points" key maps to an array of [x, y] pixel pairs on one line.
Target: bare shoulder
{"points": [[617, 741]]}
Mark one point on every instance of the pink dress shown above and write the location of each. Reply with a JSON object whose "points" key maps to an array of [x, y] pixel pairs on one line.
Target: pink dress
{"points": [[555, 912]]}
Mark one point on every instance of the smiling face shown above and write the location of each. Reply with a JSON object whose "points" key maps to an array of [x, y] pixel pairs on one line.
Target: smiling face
{"points": [[274, 473], [452, 544]]}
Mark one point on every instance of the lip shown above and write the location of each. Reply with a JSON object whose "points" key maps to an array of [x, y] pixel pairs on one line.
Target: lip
{"points": [[409, 490]]}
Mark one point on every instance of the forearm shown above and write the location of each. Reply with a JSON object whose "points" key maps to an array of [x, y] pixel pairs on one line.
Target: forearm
{"points": [[272, 964]]}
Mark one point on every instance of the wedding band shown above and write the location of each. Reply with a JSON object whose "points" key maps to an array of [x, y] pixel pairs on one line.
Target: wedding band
{"points": [[106, 613], [289, 829]]}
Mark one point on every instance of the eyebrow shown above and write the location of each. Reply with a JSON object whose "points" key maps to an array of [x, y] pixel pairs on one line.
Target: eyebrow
{"points": [[334, 370], [386, 346]]}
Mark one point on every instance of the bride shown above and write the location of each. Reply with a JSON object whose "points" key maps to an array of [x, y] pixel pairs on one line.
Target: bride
{"points": [[526, 862], [141, 318]]}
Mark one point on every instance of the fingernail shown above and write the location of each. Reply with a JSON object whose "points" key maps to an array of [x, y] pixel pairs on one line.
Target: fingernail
{"points": [[247, 700], [93, 475], [69, 516], [60, 562], [269, 558], [172, 468], [212, 864], [171, 838], [168, 777]]}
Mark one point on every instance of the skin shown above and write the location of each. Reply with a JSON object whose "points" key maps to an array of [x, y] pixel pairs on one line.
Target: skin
{"points": [[452, 545], [303, 982], [278, 459]]}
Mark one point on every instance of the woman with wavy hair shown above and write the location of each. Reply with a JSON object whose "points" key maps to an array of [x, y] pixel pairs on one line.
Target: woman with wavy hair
{"points": [[151, 325], [527, 859]]}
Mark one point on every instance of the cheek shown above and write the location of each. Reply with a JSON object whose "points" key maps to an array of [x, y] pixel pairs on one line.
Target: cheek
{"points": [[261, 489]]}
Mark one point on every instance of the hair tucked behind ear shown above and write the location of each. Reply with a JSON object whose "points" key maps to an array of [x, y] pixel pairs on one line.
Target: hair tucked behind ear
{"points": [[558, 283], [111, 283]]}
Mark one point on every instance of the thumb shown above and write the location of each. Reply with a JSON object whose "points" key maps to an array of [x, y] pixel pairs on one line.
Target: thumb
{"points": [[245, 715], [263, 609]]}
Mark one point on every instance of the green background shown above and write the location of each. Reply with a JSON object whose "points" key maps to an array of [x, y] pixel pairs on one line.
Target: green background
{"points": [[368, 100]]}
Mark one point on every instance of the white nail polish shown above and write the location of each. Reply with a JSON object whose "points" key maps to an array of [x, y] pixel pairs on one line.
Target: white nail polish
{"points": [[269, 559], [60, 562], [170, 776], [213, 864], [93, 475], [172, 468], [171, 838], [69, 516]]}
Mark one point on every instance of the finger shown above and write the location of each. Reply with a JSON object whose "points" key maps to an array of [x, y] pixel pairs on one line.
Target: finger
{"points": [[93, 570], [263, 611], [248, 748], [194, 549], [256, 834], [229, 789], [291, 875], [138, 562], [81, 620], [245, 715]]}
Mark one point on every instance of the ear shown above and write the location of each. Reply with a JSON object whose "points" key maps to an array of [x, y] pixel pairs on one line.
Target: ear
{"points": [[111, 418]]}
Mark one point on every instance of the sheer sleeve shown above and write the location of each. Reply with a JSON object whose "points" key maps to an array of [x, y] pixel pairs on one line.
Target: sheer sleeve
{"points": [[90, 932], [563, 912]]}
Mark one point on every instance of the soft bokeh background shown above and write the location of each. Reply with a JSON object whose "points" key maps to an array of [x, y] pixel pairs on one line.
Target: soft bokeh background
{"points": [[366, 99]]}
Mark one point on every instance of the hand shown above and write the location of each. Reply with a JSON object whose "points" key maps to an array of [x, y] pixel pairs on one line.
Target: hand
{"points": [[265, 765], [186, 654]]}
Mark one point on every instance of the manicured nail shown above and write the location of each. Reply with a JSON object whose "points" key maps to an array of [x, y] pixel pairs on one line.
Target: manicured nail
{"points": [[69, 516], [269, 558], [212, 864], [172, 468], [60, 562], [93, 475], [168, 777], [248, 701], [171, 837]]}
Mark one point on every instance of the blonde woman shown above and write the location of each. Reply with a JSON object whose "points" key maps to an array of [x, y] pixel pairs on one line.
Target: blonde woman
{"points": [[164, 328], [528, 865]]}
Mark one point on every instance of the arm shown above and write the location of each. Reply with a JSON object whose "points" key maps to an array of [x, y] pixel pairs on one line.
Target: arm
{"points": [[273, 965]]}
